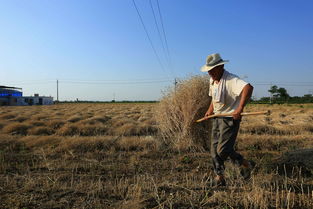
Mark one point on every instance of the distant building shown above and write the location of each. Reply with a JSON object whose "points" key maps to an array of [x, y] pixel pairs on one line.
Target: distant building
{"points": [[13, 96]]}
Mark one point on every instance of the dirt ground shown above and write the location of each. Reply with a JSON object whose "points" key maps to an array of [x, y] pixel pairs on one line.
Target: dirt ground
{"points": [[136, 170]]}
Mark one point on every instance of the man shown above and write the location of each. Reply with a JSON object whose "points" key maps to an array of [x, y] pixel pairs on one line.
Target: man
{"points": [[229, 95]]}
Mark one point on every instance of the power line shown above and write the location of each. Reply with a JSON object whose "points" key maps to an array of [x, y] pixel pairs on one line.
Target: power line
{"points": [[77, 80], [114, 83], [292, 82], [166, 44], [285, 83], [97, 82], [31, 80], [147, 34], [145, 80], [281, 84], [133, 80], [31, 83], [159, 33]]}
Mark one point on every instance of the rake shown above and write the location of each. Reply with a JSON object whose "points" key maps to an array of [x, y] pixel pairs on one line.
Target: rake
{"points": [[230, 114]]}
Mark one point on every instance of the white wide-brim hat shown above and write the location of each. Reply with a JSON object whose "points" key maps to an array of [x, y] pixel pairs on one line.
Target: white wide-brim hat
{"points": [[212, 61]]}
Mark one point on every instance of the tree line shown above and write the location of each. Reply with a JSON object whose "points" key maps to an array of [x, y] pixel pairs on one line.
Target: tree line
{"points": [[280, 95]]}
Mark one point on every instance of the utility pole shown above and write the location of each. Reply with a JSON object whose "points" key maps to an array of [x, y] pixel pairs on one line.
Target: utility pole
{"points": [[271, 97], [113, 97], [175, 84], [57, 90]]}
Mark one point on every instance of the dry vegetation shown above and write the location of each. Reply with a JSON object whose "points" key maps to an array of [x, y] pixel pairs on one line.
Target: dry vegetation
{"points": [[112, 156], [179, 109]]}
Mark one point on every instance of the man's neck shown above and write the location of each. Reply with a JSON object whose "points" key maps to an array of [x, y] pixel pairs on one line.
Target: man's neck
{"points": [[219, 77]]}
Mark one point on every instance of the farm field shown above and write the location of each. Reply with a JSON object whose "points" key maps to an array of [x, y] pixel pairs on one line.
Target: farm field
{"points": [[113, 156]]}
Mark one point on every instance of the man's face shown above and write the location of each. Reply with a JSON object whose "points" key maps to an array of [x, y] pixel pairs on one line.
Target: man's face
{"points": [[216, 73]]}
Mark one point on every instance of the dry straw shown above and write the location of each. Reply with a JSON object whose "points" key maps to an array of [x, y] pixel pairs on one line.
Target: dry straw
{"points": [[178, 110]]}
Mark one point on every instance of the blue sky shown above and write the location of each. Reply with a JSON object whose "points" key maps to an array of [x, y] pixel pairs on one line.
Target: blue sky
{"points": [[99, 50]]}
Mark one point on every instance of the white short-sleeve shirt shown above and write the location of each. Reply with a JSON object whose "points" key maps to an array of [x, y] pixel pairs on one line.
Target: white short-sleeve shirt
{"points": [[233, 88]]}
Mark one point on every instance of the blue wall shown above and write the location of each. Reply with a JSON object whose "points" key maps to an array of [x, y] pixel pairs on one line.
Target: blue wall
{"points": [[7, 93]]}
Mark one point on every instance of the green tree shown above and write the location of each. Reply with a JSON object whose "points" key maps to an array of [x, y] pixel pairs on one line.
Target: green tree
{"points": [[278, 93], [274, 91], [282, 92]]}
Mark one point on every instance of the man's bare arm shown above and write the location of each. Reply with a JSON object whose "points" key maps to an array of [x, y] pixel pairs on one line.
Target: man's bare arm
{"points": [[210, 110], [245, 96]]}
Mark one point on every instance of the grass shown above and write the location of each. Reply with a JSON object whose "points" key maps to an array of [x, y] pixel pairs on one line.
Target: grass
{"points": [[114, 157]]}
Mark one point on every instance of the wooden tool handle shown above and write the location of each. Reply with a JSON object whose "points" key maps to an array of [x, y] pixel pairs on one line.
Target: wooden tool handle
{"points": [[230, 114], [256, 113]]}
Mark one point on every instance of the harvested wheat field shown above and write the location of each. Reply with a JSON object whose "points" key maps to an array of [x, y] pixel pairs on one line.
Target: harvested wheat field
{"points": [[115, 156]]}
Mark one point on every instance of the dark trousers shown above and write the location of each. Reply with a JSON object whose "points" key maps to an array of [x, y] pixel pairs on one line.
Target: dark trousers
{"points": [[224, 134]]}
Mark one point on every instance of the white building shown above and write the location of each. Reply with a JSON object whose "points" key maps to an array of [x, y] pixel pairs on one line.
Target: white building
{"points": [[34, 100]]}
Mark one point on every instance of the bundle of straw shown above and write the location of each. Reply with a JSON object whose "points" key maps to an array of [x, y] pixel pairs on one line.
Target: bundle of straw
{"points": [[178, 110]]}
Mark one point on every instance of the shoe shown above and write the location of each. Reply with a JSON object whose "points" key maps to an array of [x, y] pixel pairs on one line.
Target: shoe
{"points": [[246, 169], [219, 181]]}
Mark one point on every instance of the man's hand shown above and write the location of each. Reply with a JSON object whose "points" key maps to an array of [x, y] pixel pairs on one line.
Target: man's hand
{"points": [[237, 114], [208, 113]]}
